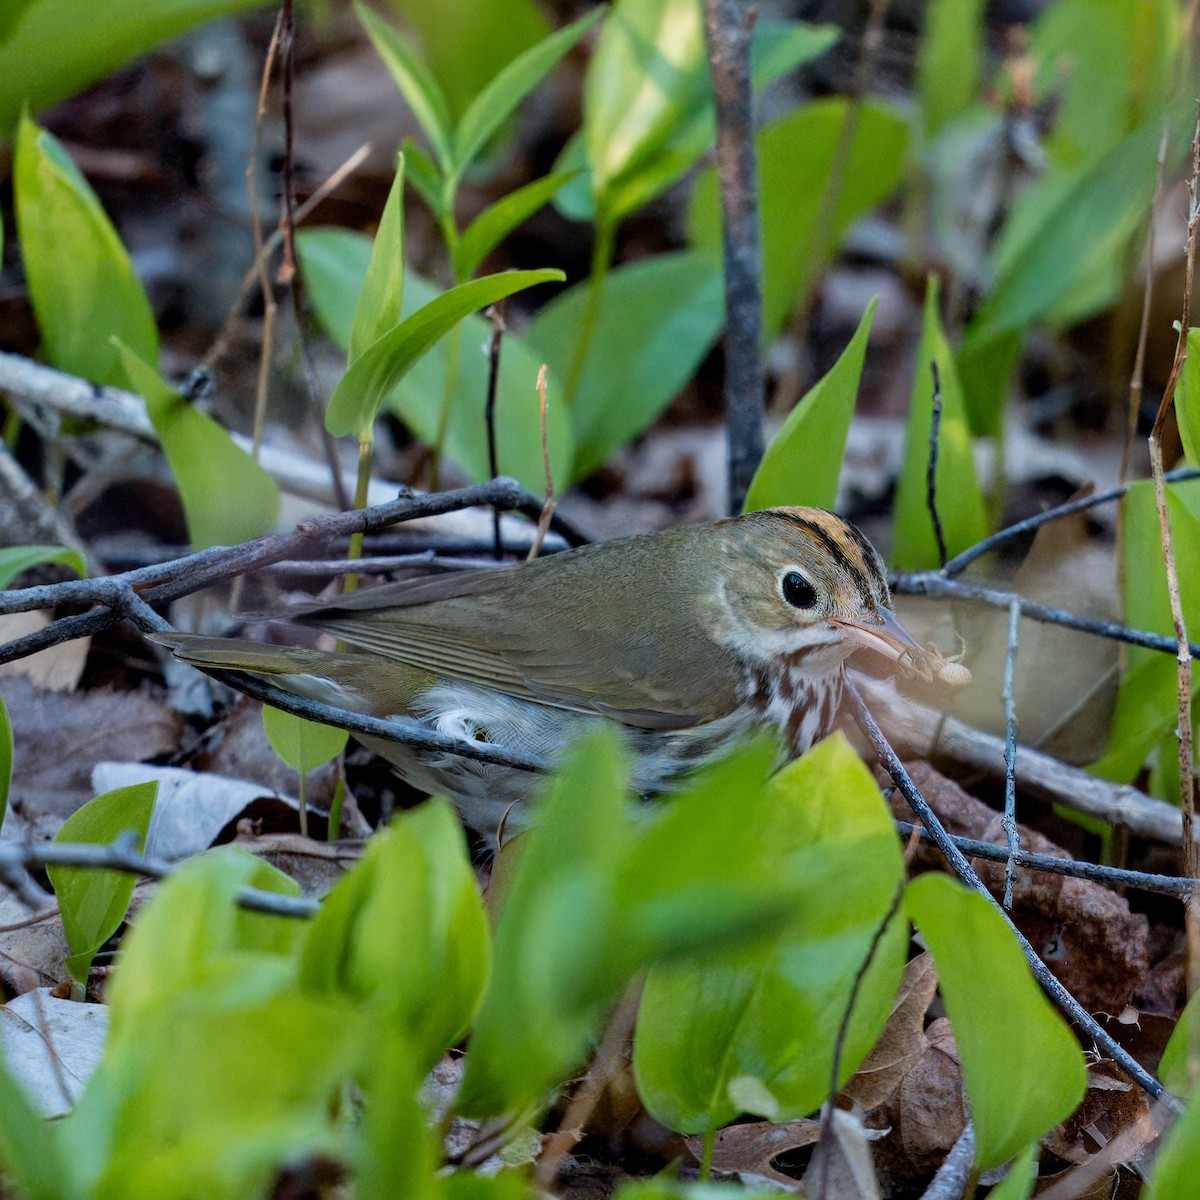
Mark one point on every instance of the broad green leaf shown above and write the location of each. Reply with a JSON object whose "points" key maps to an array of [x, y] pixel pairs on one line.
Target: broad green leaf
{"points": [[960, 503], [57, 47], [986, 362], [193, 937], [657, 320], [467, 42], [33, 1158], [1145, 707], [754, 1026], [645, 76], [1179, 1068], [498, 220], [373, 376], [303, 745], [1187, 399], [1068, 234], [416, 83], [215, 1097], [1177, 1167], [425, 178], [199, 451], [1109, 66], [948, 67], [382, 294], [496, 102], [6, 758], [334, 262], [16, 560], [11, 12], [405, 933], [1004, 1026], [1022, 1175], [804, 459], [93, 901], [795, 160], [81, 282]]}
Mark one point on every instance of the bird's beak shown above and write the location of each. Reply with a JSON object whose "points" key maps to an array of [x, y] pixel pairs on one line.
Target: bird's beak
{"points": [[888, 637]]}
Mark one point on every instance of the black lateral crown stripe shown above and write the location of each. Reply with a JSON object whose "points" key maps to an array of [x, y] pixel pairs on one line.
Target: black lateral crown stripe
{"points": [[838, 554]]}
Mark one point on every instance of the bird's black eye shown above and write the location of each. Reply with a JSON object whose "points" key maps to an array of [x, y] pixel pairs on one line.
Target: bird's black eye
{"points": [[797, 591]]}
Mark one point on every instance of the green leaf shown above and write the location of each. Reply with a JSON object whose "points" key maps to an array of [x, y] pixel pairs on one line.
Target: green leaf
{"points": [[303, 745], [466, 42], [415, 81], [498, 220], [6, 758], [646, 74], [1187, 399], [404, 933], [379, 301], [1179, 1068], [804, 459], [948, 69], [81, 282], [1145, 708], [1177, 1167], [1004, 1026], [199, 451], [40, 64], [93, 901], [1022, 1175], [373, 376], [961, 507], [16, 560], [657, 320], [755, 1026], [986, 362], [425, 178], [496, 102], [796, 156], [192, 937], [334, 262], [32, 1154], [1065, 246]]}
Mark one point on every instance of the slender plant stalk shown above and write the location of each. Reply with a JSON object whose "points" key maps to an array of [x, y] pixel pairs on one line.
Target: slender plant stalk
{"points": [[602, 256], [335, 805], [361, 490]]}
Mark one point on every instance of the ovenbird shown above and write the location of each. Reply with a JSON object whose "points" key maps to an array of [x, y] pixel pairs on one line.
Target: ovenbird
{"points": [[685, 640]]}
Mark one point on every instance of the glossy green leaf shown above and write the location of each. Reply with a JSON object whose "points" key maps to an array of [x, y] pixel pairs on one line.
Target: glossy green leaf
{"points": [[796, 156], [496, 102], [93, 901], [334, 262], [373, 376], [1145, 708], [804, 459], [948, 69], [33, 1158], [1187, 399], [498, 220], [1022, 1175], [405, 933], [415, 81], [1179, 1068], [193, 937], [1177, 1166], [6, 759], [754, 1027], [16, 560], [81, 282], [467, 42], [1004, 1026], [657, 320], [198, 451], [1065, 247], [960, 502], [382, 294], [645, 76], [303, 745], [425, 178], [57, 47]]}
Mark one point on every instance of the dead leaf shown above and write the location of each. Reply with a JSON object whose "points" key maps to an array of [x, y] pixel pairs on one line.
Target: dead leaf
{"points": [[749, 1150], [57, 668], [928, 1109], [844, 1160], [903, 1039]]}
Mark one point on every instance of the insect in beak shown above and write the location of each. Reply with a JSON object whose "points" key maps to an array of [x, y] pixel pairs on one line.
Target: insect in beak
{"points": [[890, 639]]}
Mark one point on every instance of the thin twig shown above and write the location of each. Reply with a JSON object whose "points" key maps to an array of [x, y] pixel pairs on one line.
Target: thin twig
{"points": [[962, 868], [728, 25], [496, 313], [287, 67], [547, 512], [1010, 756], [935, 425], [957, 1170]]}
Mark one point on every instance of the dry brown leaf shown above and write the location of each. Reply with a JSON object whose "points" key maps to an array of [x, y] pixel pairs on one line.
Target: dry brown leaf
{"points": [[750, 1149], [903, 1039], [844, 1160], [58, 668], [928, 1109]]}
